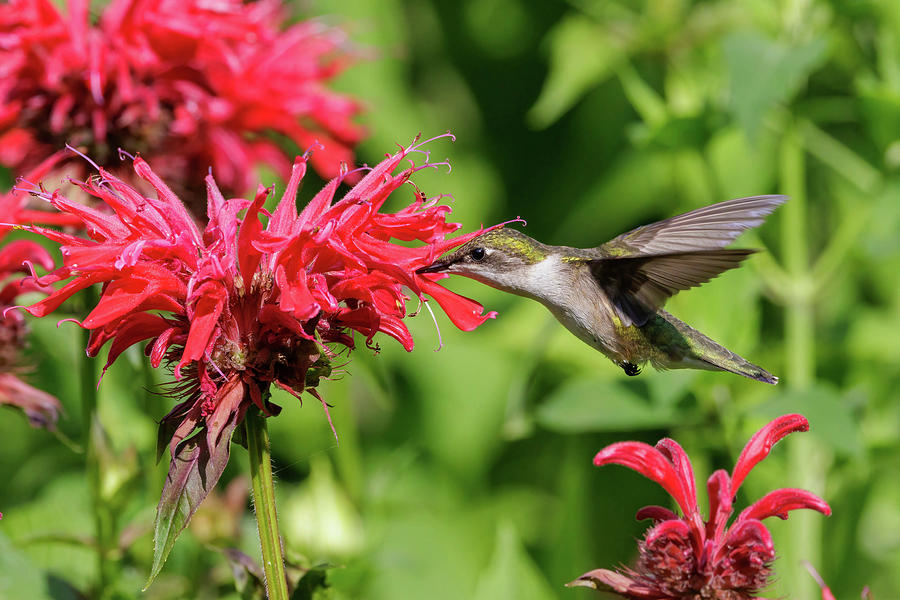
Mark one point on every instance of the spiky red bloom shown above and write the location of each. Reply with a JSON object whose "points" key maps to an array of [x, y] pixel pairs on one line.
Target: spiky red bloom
{"points": [[240, 305], [188, 83], [687, 558], [41, 408], [241, 297]]}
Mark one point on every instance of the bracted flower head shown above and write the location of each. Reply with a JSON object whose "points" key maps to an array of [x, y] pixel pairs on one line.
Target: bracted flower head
{"points": [[41, 408], [190, 84], [241, 305], [687, 558]]}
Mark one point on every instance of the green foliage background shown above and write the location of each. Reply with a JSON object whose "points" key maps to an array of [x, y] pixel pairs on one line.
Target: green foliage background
{"points": [[466, 473]]}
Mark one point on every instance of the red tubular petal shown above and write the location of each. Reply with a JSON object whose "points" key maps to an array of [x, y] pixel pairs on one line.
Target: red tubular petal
{"points": [[286, 212], [94, 221], [761, 444], [248, 256], [374, 178], [14, 254], [160, 346], [649, 462], [51, 302], [747, 536], [295, 298], [312, 212], [671, 529], [174, 209], [779, 503], [679, 459], [718, 488], [466, 314], [395, 328], [203, 323], [657, 513], [45, 217], [120, 297], [137, 328]]}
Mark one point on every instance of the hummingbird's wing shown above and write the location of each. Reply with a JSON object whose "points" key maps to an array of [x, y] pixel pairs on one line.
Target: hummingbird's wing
{"points": [[707, 228], [643, 268], [638, 286]]}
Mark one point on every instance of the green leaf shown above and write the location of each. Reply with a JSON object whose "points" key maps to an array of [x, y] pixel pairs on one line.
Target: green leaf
{"points": [[592, 404], [582, 55], [196, 466], [23, 579], [511, 573], [765, 72]]}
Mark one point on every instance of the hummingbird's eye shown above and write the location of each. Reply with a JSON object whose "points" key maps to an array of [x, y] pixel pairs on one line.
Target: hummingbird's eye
{"points": [[477, 254]]}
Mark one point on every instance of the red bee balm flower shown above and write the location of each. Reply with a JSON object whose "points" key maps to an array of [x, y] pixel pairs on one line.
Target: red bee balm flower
{"points": [[190, 84], [686, 557], [239, 305]]}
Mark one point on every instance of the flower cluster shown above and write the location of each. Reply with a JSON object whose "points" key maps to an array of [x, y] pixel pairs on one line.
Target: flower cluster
{"points": [[240, 299], [189, 83], [685, 557]]}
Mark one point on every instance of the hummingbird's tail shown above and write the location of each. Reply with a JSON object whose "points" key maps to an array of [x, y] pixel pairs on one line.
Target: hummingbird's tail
{"points": [[740, 366], [705, 353]]}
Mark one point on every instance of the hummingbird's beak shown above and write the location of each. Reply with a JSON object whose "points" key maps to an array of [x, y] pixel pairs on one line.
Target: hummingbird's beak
{"points": [[435, 267]]}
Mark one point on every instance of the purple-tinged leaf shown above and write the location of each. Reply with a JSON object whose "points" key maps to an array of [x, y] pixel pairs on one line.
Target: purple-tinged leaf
{"points": [[197, 464]]}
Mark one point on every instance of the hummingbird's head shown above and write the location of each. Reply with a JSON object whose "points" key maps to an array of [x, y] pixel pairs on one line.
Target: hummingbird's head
{"points": [[502, 258]]}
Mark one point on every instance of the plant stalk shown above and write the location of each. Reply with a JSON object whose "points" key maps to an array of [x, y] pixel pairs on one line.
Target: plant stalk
{"points": [[104, 528], [806, 527], [264, 502]]}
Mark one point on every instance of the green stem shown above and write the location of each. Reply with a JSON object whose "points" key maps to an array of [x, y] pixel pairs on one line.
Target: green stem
{"points": [[806, 530], [264, 501], [104, 528]]}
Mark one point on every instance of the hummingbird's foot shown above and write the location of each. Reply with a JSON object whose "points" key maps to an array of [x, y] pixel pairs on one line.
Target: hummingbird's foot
{"points": [[630, 369]]}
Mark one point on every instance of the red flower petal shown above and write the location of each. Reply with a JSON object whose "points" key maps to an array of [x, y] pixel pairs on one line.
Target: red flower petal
{"points": [[466, 314], [780, 502], [204, 320], [679, 459], [649, 462], [718, 488], [657, 513], [761, 444], [14, 254]]}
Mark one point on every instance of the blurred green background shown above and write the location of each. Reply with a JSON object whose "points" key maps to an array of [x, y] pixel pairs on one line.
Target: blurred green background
{"points": [[466, 473]]}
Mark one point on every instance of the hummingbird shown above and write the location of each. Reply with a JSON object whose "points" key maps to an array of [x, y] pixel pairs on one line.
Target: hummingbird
{"points": [[611, 296]]}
